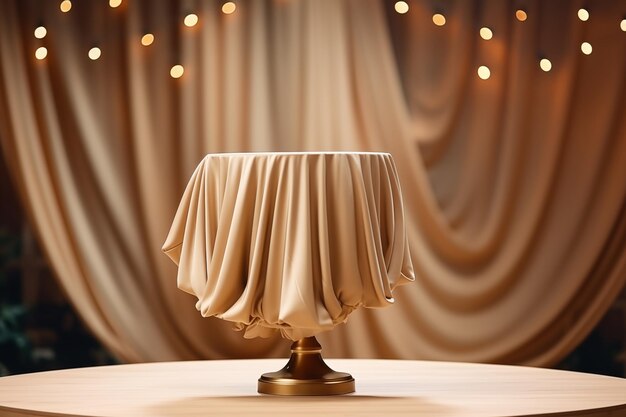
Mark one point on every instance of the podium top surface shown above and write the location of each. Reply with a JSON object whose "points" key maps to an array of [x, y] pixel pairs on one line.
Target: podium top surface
{"points": [[383, 388]]}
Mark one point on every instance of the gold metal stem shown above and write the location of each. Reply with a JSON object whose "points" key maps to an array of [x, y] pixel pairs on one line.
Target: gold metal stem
{"points": [[306, 373]]}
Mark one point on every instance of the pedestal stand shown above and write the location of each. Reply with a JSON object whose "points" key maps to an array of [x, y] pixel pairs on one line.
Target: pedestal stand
{"points": [[306, 373]]}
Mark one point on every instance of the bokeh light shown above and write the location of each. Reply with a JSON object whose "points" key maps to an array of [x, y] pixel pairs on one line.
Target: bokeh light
{"points": [[177, 71], [191, 19], [521, 15], [147, 39], [94, 53], [41, 32], [41, 52], [545, 64], [439, 19], [401, 7], [65, 6], [486, 33], [586, 48], [229, 7], [483, 72], [583, 14]]}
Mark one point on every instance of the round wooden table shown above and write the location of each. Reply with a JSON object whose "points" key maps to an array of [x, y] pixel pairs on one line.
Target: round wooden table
{"points": [[383, 388]]}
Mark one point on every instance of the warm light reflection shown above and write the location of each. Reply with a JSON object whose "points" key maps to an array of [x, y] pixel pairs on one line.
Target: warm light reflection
{"points": [[439, 19], [229, 7], [586, 48], [147, 39], [521, 15], [177, 71], [94, 53], [115, 3], [41, 52], [486, 33], [401, 7], [66, 6], [583, 15], [483, 72], [191, 20], [622, 25], [41, 32], [545, 64]]}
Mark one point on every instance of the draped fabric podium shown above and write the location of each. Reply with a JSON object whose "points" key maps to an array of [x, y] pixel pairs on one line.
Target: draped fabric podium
{"points": [[291, 242]]}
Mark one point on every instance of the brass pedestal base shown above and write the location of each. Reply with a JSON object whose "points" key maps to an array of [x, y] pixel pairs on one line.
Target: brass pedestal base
{"points": [[306, 373]]}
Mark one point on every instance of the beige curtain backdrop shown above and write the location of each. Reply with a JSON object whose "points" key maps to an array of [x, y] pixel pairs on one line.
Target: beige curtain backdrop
{"points": [[514, 187]]}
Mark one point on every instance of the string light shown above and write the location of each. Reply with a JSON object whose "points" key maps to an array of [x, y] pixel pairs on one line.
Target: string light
{"points": [[147, 39], [191, 19], [94, 53], [486, 33], [583, 14], [483, 72], [41, 32], [65, 6], [401, 7], [229, 7], [177, 71], [41, 53], [439, 19]]}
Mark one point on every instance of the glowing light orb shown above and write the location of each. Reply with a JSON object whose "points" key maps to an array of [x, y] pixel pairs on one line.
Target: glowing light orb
{"points": [[177, 71], [401, 7], [484, 72], [545, 64], [439, 19]]}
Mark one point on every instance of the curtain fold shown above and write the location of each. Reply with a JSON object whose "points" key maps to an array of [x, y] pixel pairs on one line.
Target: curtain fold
{"points": [[514, 187]]}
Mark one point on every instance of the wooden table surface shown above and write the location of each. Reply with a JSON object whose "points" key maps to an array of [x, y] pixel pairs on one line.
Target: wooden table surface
{"points": [[383, 388]]}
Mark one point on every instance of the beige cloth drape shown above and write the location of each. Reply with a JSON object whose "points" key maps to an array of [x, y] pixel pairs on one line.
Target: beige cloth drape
{"points": [[290, 241], [514, 187]]}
